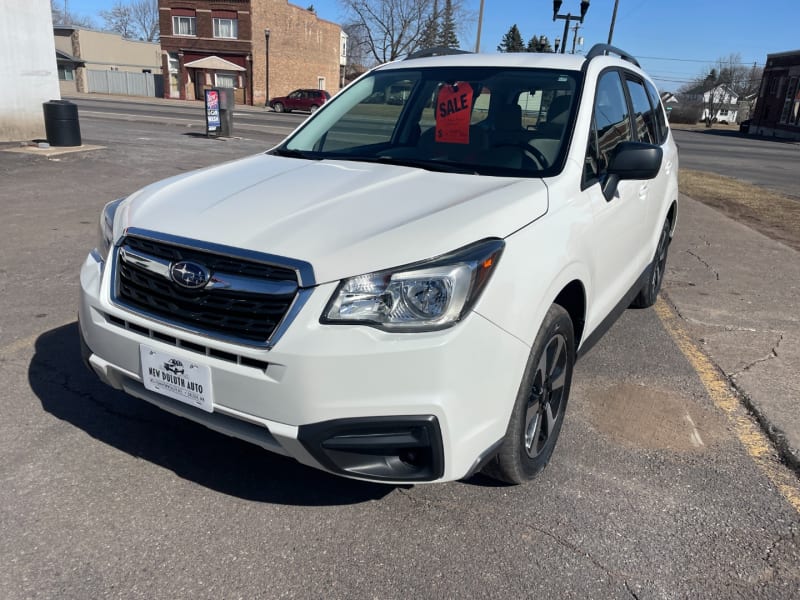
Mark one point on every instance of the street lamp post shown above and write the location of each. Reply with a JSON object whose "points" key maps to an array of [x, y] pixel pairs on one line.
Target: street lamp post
{"points": [[567, 18]]}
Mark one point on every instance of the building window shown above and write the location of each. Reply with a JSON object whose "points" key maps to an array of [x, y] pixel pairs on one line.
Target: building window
{"points": [[182, 25], [173, 65], [226, 28], [773, 85], [225, 80], [66, 73], [788, 100]]}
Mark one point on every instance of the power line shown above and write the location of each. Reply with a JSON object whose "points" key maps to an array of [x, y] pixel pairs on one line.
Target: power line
{"points": [[698, 60]]}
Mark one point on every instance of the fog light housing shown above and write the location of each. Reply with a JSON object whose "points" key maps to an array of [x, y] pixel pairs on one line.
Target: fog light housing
{"points": [[407, 448]]}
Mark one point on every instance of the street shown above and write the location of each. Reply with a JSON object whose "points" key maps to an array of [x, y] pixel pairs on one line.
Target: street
{"points": [[767, 163], [650, 492]]}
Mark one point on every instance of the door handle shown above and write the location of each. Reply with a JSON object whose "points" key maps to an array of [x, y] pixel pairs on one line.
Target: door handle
{"points": [[668, 167], [643, 191]]}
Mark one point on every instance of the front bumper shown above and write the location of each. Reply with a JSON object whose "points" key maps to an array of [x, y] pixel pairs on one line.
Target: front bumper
{"points": [[350, 400]]}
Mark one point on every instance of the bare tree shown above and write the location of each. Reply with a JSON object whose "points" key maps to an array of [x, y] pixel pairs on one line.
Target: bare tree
{"points": [[739, 77], [134, 19], [63, 16], [395, 28], [145, 17], [119, 20]]}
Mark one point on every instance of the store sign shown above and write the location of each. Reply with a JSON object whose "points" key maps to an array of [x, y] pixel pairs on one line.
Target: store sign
{"points": [[212, 111]]}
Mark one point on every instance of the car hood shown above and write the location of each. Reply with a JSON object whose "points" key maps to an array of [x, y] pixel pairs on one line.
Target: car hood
{"points": [[344, 218]]}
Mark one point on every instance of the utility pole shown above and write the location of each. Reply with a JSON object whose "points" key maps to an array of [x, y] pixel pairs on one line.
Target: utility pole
{"points": [[575, 35], [480, 22], [613, 20]]}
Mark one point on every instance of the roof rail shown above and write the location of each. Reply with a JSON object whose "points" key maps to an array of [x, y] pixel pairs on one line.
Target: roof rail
{"points": [[436, 51], [603, 49]]}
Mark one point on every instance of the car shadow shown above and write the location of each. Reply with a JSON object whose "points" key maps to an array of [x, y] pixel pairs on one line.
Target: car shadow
{"points": [[69, 391]]}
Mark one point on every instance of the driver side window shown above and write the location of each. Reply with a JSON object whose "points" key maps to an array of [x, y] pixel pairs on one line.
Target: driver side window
{"points": [[610, 125]]}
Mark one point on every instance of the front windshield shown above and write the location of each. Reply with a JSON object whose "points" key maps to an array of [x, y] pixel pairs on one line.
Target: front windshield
{"points": [[498, 121]]}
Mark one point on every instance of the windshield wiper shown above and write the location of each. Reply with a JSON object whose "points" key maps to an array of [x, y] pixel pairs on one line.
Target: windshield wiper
{"points": [[429, 165], [293, 154]]}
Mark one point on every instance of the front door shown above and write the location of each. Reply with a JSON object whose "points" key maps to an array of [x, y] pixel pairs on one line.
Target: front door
{"points": [[620, 225]]}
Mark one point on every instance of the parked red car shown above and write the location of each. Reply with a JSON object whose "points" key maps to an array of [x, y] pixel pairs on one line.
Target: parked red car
{"points": [[309, 100]]}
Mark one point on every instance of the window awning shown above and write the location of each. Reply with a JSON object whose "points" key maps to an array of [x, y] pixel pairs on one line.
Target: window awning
{"points": [[62, 57], [214, 63]]}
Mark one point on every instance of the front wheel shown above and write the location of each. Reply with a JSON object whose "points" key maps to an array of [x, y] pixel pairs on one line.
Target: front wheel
{"points": [[278, 107], [313, 108], [648, 295], [541, 402]]}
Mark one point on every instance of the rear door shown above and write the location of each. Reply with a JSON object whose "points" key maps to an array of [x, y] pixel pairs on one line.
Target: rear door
{"points": [[306, 100], [649, 129]]}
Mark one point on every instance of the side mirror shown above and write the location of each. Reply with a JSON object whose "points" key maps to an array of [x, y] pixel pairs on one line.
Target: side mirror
{"points": [[631, 160]]}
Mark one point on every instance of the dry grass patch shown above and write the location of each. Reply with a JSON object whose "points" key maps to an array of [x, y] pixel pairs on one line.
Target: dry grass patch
{"points": [[772, 214]]}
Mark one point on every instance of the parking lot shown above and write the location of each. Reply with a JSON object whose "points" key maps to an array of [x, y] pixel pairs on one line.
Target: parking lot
{"points": [[651, 493]]}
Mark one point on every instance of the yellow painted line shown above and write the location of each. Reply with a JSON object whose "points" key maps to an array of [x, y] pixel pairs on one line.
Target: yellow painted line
{"points": [[750, 435]]}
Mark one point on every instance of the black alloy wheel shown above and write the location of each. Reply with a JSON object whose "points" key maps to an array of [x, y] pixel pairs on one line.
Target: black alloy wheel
{"points": [[541, 402], [648, 295], [547, 392]]}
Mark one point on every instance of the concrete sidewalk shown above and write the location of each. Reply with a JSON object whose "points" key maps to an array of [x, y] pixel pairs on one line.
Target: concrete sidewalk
{"points": [[739, 294], [153, 101]]}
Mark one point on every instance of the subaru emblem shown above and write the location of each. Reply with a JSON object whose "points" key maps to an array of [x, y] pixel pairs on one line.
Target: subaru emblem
{"points": [[189, 274]]}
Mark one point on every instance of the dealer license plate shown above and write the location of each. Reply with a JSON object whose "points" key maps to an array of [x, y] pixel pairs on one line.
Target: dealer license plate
{"points": [[177, 377]]}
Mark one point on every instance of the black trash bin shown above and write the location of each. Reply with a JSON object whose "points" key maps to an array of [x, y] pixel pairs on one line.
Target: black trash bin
{"points": [[61, 123]]}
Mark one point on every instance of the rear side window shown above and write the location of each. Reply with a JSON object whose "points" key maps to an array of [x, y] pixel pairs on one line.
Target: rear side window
{"points": [[643, 117], [658, 110]]}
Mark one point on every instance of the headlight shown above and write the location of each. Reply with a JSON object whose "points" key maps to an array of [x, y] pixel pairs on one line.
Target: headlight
{"points": [[106, 229], [420, 297]]}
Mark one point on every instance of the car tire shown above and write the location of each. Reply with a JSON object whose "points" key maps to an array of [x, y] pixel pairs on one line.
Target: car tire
{"points": [[313, 108], [541, 402], [278, 107], [648, 295]]}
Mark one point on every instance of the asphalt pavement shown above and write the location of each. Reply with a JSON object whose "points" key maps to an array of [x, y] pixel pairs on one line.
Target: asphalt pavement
{"points": [[649, 494]]}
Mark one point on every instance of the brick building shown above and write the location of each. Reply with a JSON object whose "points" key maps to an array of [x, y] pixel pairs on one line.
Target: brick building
{"points": [[261, 48], [777, 111]]}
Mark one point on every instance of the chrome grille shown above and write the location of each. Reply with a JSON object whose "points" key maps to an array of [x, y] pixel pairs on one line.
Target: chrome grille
{"points": [[245, 300]]}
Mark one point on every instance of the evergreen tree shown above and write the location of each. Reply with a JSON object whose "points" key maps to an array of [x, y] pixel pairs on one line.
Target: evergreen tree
{"points": [[539, 44], [447, 33], [512, 41], [430, 33]]}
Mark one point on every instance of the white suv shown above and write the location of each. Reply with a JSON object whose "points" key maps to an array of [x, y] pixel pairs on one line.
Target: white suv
{"points": [[397, 292]]}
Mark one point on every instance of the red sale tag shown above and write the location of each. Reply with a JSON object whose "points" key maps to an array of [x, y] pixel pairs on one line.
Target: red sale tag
{"points": [[453, 111]]}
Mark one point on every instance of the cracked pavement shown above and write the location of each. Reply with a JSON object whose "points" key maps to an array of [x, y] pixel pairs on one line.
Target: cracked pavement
{"points": [[739, 293]]}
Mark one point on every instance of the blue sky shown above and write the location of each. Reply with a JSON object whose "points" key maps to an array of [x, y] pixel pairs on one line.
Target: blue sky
{"points": [[675, 40]]}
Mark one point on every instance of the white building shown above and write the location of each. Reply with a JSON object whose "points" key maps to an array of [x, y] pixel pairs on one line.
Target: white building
{"points": [[725, 103], [28, 68]]}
